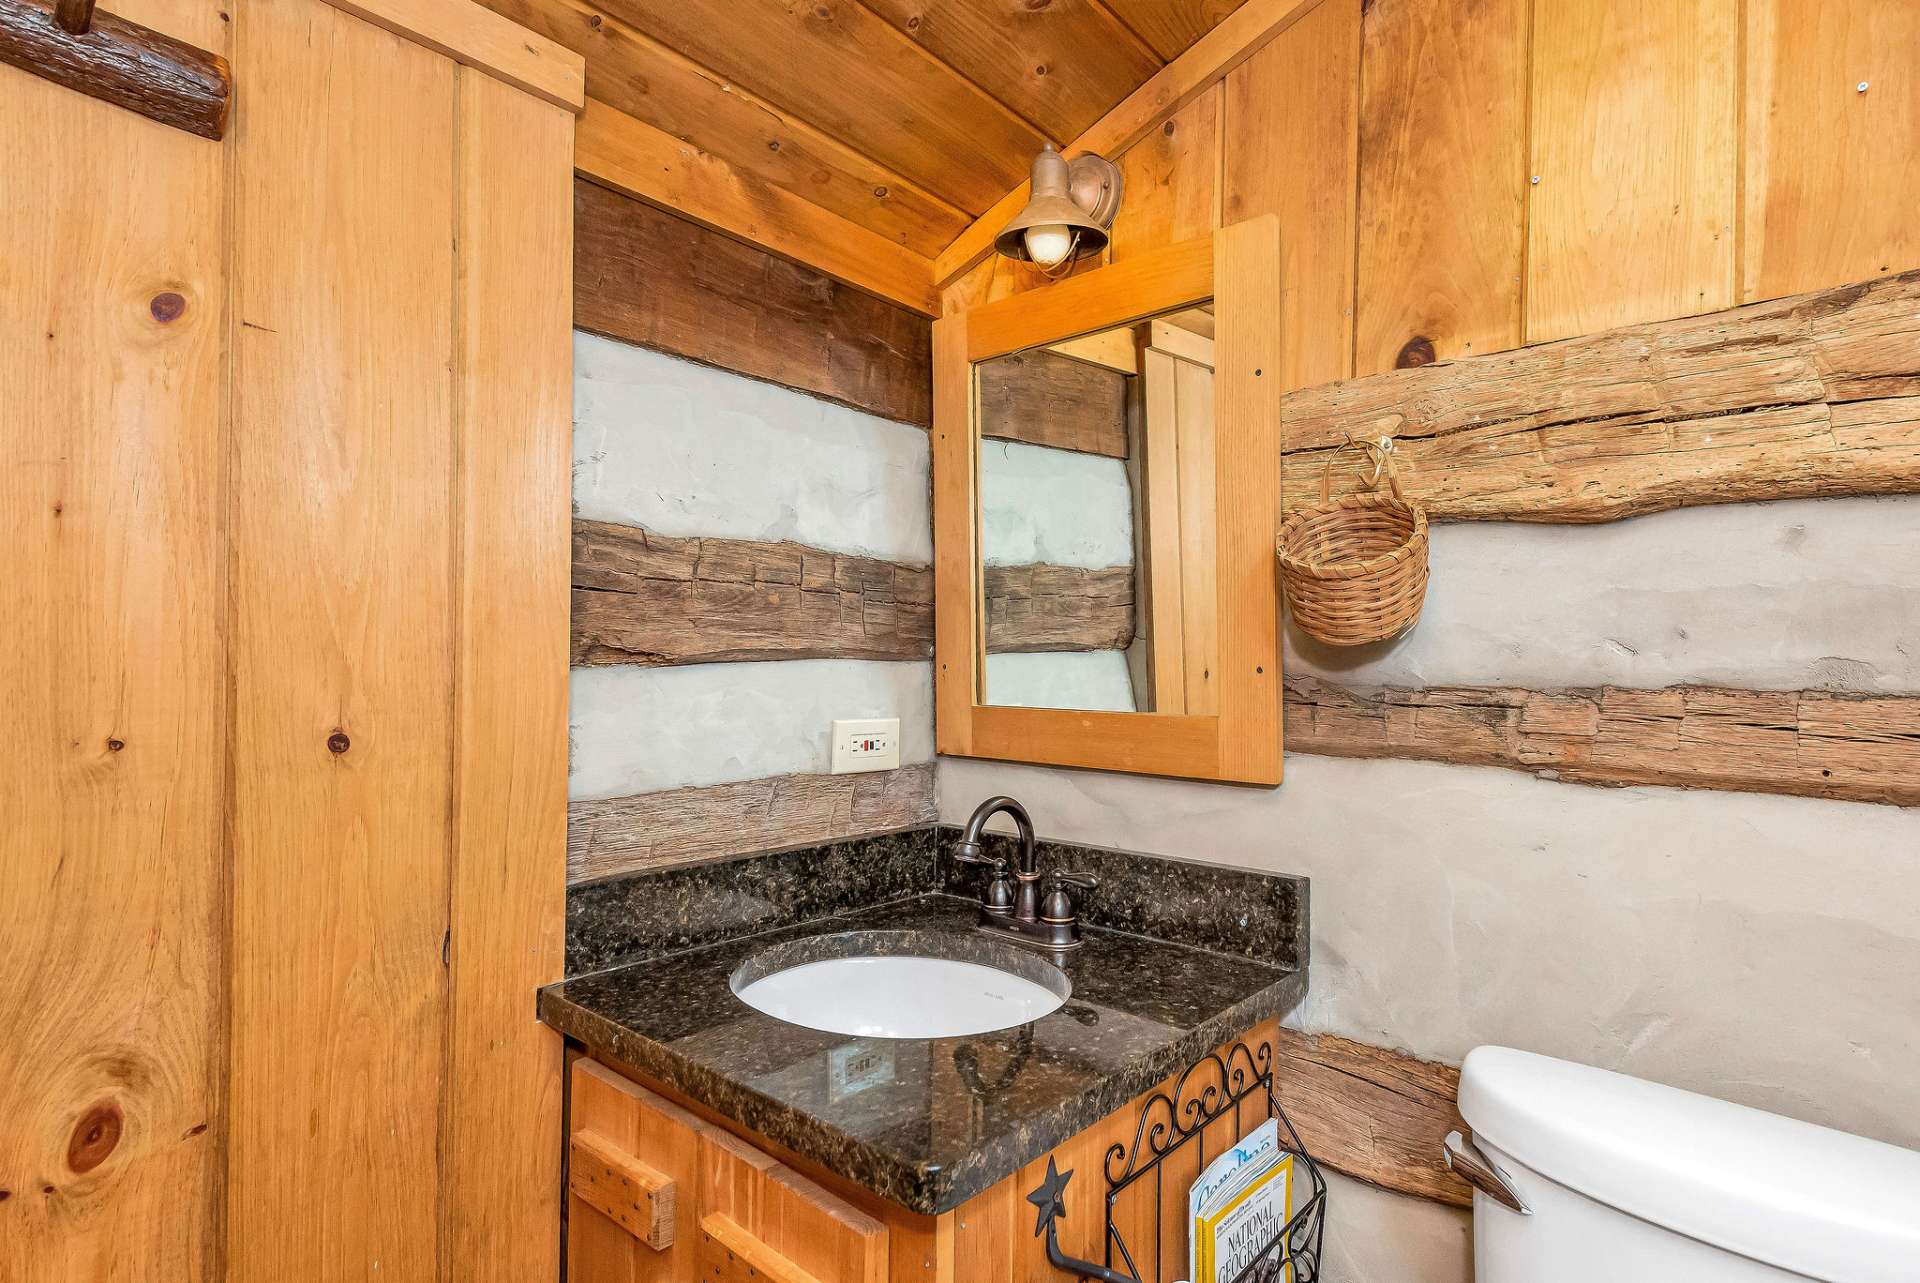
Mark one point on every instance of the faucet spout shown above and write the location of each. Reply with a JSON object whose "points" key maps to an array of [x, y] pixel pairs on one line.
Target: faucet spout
{"points": [[968, 846]]}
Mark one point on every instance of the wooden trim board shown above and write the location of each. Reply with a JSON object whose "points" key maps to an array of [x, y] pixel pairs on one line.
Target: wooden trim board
{"points": [[475, 36], [1809, 743], [615, 836], [1805, 397], [631, 156]]}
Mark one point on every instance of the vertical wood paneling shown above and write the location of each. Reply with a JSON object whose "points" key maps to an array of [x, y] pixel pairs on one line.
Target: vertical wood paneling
{"points": [[1443, 180], [113, 309], [342, 642], [1171, 176], [1290, 150], [1633, 142], [513, 417], [1833, 172]]}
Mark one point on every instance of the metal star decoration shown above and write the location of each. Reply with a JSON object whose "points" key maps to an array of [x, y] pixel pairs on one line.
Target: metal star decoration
{"points": [[1050, 1197]]}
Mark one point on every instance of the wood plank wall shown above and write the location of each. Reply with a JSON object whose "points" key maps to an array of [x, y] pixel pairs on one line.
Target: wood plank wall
{"points": [[1751, 164], [113, 1010], [285, 498]]}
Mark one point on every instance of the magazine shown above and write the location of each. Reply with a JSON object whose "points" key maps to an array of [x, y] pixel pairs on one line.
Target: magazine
{"points": [[1239, 1206]]}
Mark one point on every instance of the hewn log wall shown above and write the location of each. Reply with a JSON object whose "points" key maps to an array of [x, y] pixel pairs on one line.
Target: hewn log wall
{"points": [[1053, 608], [1812, 396], [1811, 743], [1047, 399], [644, 276], [623, 835], [644, 598], [1374, 1114]]}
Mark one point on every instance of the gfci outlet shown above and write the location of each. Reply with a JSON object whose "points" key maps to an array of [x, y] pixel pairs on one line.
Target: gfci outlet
{"points": [[866, 744]]}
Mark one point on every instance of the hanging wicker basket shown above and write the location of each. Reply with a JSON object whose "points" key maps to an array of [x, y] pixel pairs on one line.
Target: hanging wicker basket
{"points": [[1355, 568]]}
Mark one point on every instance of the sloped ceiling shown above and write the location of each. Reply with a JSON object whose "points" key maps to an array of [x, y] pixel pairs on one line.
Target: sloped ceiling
{"points": [[907, 117]]}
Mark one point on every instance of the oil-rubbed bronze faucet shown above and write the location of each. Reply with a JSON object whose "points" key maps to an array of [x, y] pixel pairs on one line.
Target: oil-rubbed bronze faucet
{"points": [[1011, 903]]}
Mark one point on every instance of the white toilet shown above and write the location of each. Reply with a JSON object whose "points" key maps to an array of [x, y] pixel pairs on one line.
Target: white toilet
{"points": [[1622, 1179]]}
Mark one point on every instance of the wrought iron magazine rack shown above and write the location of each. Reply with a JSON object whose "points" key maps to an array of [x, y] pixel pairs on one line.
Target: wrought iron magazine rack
{"points": [[1216, 1085]]}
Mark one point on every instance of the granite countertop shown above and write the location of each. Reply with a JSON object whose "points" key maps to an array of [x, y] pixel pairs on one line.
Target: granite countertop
{"points": [[927, 1123]]}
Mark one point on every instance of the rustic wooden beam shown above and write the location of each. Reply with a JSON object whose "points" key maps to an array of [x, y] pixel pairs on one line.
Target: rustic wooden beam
{"points": [[1812, 396], [1055, 608], [643, 598], [1373, 1114], [646, 276], [119, 62], [614, 836], [1043, 398], [1809, 743]]}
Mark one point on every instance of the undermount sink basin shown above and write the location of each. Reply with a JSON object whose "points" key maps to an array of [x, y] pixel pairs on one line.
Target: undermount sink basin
{"points": [[875, 988]]}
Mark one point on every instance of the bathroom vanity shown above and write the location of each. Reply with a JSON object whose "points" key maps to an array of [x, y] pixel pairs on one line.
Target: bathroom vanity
{"points": [[709, 1140]]}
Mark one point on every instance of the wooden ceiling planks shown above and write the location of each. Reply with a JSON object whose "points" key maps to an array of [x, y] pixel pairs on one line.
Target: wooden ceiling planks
{"points": [[1058, 65], [907, 119], [1169, 26], [850, 73], [649, 81]]}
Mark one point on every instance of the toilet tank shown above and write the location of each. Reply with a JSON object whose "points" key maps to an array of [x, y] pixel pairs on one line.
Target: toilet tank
{"points": [[1625, 1179]]}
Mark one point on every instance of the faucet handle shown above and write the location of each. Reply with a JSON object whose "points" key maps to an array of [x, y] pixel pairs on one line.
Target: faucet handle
{"points": [[1078, 881], [973, 853]]}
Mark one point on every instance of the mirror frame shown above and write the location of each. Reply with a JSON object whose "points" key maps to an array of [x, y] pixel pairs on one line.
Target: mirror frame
{"points": [[1238, 267]]}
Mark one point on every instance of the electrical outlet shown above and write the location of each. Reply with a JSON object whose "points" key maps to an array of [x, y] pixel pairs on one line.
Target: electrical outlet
{"points": [[866, 744]]}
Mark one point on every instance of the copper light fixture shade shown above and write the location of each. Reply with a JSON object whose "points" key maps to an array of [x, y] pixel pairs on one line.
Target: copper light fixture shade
{"points": [[1082, 196]]}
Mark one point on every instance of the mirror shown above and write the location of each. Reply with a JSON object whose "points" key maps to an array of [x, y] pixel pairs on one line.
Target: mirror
{"points": [[1106, 493], [1097, 519]]}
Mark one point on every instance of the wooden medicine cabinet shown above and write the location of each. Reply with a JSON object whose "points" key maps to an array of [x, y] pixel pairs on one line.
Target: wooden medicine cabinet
{"points": [[1106, 494]]}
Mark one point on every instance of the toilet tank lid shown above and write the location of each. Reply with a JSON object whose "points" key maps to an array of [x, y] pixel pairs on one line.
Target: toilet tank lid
{"points": [[1803, 1198]]}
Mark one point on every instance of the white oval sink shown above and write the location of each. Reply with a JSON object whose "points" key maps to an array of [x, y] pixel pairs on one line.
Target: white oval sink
{"points": [[902, 997]]}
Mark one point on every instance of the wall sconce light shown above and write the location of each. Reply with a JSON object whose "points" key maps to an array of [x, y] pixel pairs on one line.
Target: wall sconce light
{"points": [[1068, 214]]}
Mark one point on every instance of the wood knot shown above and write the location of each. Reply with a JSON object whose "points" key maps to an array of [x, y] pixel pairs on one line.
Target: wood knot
{"points": [[338, 742], [1167, 129], [115, 745], [596, 21], [95, 1136], [880, 193], [167, 306], [1417, 350]]}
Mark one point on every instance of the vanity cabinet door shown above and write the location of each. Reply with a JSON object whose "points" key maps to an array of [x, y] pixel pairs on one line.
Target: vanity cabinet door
{"points": [[656, 1195], [761, 1222], [633, 1162]]}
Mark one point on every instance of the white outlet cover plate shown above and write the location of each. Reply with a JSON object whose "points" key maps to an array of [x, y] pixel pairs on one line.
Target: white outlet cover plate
{"points": [[866, 744]]}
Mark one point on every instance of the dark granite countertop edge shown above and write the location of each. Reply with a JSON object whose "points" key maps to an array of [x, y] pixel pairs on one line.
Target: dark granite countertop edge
{"points": [[926, 1190]]}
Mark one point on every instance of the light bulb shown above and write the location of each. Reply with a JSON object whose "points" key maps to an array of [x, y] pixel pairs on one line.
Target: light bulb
{"points": [[1049, 244]]}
